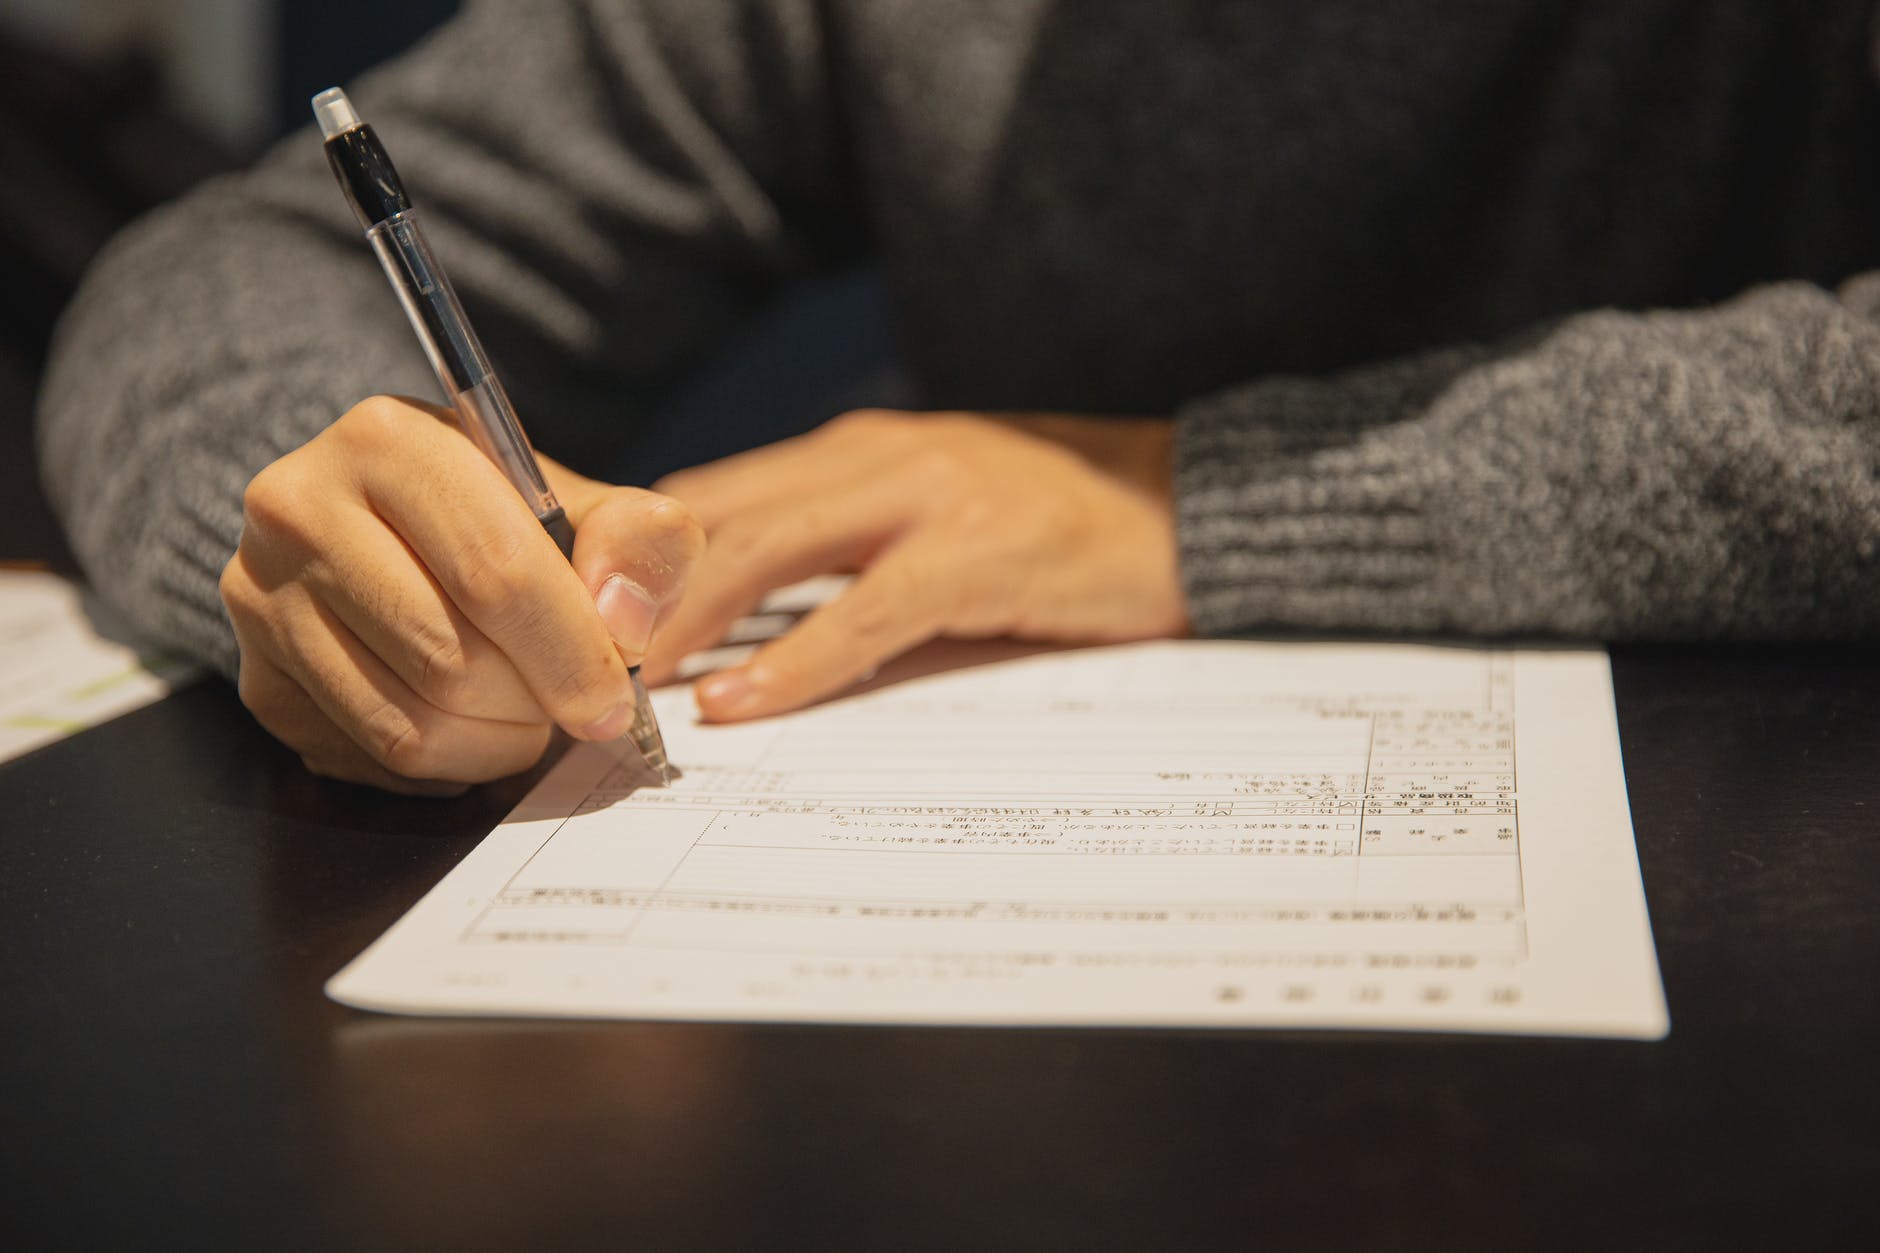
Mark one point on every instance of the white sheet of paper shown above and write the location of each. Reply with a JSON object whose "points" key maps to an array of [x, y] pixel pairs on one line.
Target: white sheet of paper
{"points": [[1212, 834], [61, 672]]}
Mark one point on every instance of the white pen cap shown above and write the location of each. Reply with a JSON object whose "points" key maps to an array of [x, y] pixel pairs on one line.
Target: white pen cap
{"points": [[334, 112]]}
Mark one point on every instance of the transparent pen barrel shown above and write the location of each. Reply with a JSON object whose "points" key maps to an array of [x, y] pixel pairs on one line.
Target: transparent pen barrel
{"points": [[456, 355]]}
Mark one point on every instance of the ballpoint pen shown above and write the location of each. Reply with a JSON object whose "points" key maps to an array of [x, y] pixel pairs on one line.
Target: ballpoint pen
{"points": [[377, 196]]}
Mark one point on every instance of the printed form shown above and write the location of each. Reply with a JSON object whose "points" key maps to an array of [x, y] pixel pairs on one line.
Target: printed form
{"points": [[1196, 833]]}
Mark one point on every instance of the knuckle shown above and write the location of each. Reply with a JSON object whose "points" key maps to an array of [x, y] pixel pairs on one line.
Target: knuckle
{"points": [[495, 569], [375, 421], [276, 498], [396, 741], [257, 614], [445, 675], [237, 590]]}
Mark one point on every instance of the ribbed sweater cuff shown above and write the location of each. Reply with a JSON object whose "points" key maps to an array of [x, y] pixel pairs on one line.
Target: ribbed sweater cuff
{"points": [[189, 540], [169, 560], [1274, 532], [1292, 512]]}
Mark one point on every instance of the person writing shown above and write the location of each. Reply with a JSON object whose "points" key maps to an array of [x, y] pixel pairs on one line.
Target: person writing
{"points": [[1541, 318]]}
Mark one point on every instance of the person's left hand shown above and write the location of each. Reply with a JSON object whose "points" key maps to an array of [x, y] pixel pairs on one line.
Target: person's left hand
{"points": [[1042, 528]]}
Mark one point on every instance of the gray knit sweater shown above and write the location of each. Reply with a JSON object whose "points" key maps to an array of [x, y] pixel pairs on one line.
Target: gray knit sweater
{"points": [[1478, 316]]}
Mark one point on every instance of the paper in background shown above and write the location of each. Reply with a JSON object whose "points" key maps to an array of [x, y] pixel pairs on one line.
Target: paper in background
{"points": [[67, 664]]}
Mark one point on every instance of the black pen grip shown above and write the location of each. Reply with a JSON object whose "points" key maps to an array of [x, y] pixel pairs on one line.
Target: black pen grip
{"points": [[371, 182], [559, 529]]}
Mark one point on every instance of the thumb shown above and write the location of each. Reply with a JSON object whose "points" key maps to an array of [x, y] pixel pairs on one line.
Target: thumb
{"points": [[633, 550]]}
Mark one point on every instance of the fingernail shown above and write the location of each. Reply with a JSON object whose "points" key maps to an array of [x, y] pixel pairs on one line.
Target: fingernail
{"points": [[728, 693], [614, 725], [629, 612]]}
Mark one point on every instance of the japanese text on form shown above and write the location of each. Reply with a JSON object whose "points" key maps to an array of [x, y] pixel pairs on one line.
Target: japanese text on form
{"points": [[1198, 833]]}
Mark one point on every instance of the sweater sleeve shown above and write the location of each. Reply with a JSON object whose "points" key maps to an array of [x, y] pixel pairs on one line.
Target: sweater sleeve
{"points": [[614, 187], [1658, 475]]}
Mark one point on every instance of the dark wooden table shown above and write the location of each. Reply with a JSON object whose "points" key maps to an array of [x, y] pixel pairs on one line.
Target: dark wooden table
{"points": [[176, 889]]}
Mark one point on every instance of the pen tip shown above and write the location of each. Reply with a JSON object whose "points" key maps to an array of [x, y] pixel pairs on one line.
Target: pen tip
{"points": [[656, 762]]}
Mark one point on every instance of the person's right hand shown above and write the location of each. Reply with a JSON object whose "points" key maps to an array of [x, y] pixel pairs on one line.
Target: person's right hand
{"points": [[404, 620]]}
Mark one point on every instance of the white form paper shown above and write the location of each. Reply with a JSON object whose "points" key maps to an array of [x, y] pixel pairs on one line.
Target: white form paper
{"points": [[61, 671], [1210, 834]]}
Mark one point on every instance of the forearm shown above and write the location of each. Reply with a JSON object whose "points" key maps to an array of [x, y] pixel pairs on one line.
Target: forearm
{"points": [[173, 384], [604, 230], [1664, 475]]}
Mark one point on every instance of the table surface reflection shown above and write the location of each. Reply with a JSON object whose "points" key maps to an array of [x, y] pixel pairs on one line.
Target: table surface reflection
{"points": [[176, 890]]}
